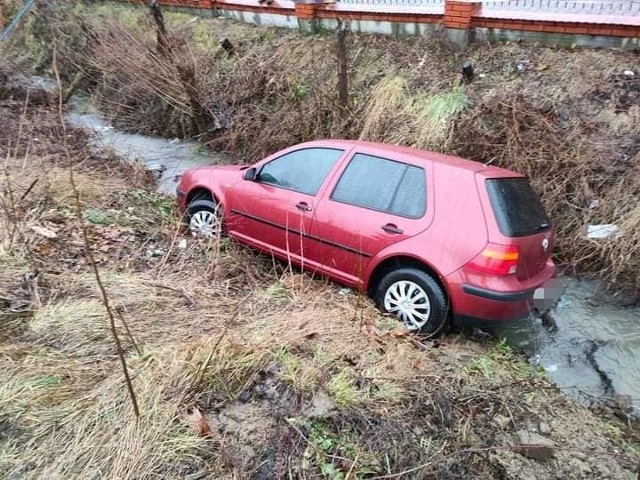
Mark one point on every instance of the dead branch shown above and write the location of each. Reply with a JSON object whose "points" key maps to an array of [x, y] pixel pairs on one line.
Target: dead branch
{"points": [[87, 245], [126, 327]]}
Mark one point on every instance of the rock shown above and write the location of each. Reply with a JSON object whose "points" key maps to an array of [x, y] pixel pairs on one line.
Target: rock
{"points": [[523, 65], [580, 456], [320, 405], [579, 469], [502, 421], [544, 428], [226, 44], [44, 232], [534, 446], [467, 71]]}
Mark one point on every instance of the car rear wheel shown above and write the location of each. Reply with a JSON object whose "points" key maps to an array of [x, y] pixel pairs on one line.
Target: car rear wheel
{"points": [[415, 298], [205, 219]]}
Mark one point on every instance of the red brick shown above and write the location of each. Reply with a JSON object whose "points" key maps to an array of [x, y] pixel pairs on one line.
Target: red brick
{"points": [[555, 29], [454, 18], [580, 30], [460, 7], [534, 27], [626, 32], [456, 25]]}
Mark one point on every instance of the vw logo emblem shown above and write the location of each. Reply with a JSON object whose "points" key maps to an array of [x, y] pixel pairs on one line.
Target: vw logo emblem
{"points": [[545, 244]]}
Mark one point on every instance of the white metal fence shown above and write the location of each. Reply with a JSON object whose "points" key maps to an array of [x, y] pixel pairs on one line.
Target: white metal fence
{"points": [[585, 7], [399, 3]]}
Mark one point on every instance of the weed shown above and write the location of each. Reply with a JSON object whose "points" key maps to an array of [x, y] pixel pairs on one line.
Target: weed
{"points": [[302, 92], [279, 293], [301, 374], [503, 348], [343, 389], [484, 365]]}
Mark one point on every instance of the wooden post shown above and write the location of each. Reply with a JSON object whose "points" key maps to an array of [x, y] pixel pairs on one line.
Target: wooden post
{"points": [[163, 44], [186, 68], [343, 72]]}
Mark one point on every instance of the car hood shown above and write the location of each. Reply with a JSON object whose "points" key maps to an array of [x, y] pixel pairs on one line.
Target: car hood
{"points": [[218, 167]]}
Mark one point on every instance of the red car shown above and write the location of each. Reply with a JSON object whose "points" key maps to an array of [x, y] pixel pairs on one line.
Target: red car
{"points": [[430, 237]]}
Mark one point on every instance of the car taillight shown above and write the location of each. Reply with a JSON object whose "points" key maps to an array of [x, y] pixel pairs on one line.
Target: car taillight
{"points": [[497, 259]]}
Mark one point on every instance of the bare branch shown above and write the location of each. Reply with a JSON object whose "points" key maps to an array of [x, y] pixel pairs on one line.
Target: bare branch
{"points": [[87, 244]]}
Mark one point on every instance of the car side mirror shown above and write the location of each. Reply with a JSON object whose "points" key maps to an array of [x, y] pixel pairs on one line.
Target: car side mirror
{"points": [[250, 174]]}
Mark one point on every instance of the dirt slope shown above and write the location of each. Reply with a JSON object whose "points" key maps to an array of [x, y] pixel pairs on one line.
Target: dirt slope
{"points": [[570, 119], [241, 368]]}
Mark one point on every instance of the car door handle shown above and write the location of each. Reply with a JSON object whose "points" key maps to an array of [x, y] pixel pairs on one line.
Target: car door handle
{"points": [[391, 228], [304, 206]]}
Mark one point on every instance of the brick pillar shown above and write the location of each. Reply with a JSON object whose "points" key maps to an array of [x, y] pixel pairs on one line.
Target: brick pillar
{"points": [[458, 15], [307, 18], [207, 8]]}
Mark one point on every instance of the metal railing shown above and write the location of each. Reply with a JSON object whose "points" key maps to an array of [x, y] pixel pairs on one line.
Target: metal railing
{"points": [[585, 7], [399, 3], [14, 23]]}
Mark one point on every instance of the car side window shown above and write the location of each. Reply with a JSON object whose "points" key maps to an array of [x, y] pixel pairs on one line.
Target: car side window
{"points": [[302, 171], [384, 185], [410, 199]]}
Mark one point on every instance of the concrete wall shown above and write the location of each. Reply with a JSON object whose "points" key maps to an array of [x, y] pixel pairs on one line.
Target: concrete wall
{"points": [[464, 20], [381, 27], [258, 18], [561, 39]]}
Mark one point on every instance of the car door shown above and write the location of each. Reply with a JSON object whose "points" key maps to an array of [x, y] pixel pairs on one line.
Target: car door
{"points": [[271, 212], [375, 203]]}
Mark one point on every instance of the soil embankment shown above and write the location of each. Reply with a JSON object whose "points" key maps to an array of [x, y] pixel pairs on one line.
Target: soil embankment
{"points": [[570, 119], [241, 369]]}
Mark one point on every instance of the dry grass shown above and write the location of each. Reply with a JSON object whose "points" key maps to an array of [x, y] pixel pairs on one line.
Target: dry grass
{"points": [[577, 140], [243, 368], [229, 356]]}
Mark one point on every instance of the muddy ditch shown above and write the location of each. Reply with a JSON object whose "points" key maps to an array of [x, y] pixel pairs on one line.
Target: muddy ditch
{"points": [[303, 388], [565, 354]]}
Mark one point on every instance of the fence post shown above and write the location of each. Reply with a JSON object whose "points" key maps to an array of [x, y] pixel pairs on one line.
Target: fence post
{"points": [[306, 13], [458, 15]]}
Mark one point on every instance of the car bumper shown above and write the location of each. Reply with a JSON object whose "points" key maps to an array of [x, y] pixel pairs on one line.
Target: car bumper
{"points": [[481, 304]]}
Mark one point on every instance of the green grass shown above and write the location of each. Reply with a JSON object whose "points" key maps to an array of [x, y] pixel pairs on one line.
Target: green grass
{"points": [[484, 366], [435, 114], [343, 389], [301, 374], [327, 448]]}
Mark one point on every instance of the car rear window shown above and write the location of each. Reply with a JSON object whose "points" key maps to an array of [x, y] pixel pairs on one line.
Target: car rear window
{"points": [[517, 207]]}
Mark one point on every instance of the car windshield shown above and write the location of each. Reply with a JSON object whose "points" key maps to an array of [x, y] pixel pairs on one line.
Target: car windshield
{"points": [[517, 207]]}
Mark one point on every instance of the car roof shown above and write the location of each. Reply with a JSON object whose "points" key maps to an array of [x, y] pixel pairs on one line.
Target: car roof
{"points": [[386, 149]]}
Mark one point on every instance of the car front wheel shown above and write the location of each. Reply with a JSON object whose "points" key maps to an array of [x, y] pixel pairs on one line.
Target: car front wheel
{"points": [[205, 219], [415, 298]]}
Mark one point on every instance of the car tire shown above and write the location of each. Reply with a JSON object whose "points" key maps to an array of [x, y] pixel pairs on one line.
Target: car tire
{"points": [[416, 298], [205, 219]]}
